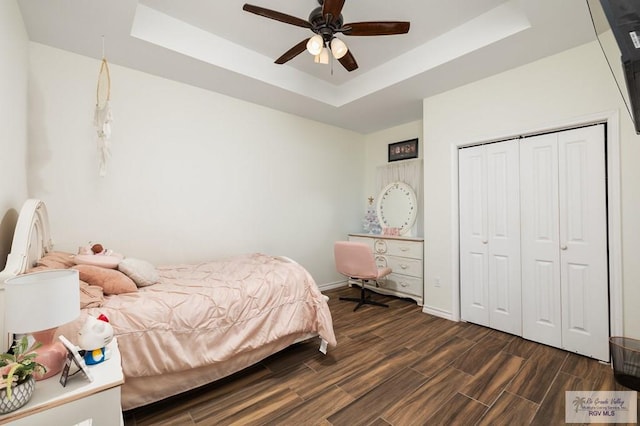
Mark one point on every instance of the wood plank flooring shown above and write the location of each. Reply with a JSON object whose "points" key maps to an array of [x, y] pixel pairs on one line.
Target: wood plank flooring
{"points": [[393, 366]]}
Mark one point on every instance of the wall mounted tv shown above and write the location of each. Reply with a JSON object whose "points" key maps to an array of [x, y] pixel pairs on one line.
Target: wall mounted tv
{"points": [[617, 25]]}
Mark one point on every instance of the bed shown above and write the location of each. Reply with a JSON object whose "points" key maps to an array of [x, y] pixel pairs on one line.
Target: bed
{"points": [[198, 323]]}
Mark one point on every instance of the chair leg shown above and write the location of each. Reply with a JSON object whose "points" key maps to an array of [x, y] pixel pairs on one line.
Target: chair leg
{"points": [[363, 299]]}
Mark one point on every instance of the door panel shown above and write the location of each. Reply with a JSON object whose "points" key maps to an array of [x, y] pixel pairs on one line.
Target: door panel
{"points": [[546, 294], [489, 236], [583, 242], [540, 234], [501, 303], [577, 288], [473, 251], [503, 215], [478, 283]]}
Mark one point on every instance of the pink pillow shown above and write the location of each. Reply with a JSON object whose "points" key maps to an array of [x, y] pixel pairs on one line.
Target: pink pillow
{"points": [[111, 281], [97, 260], [56, 260]]}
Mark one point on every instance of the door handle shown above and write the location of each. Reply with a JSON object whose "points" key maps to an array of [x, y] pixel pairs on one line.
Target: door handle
{"points": [[484, 241]]}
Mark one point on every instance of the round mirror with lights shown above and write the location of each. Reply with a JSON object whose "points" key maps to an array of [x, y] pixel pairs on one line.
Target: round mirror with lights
{"points": [[397, 207]]}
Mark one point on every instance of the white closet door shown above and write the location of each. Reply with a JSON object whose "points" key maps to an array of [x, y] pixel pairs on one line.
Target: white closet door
{"points": [[489, 236], [541, 296], [503, 213], [564, 241], [474, 275], [583, 242]]}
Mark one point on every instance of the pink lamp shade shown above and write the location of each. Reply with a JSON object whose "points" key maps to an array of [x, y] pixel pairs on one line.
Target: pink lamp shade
{"points": [[37, 304]]}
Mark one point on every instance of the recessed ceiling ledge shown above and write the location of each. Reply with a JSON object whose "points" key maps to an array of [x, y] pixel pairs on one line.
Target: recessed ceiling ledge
{"points": [[170, 33], [497, 24]]}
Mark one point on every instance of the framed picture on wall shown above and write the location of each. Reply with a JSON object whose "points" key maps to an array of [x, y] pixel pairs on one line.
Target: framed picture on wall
{"points": [[403, 150]]}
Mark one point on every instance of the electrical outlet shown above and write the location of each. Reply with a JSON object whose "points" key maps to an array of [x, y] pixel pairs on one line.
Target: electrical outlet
{"points": [[437, 282]]}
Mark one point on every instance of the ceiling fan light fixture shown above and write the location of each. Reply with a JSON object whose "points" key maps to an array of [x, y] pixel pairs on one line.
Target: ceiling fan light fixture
{"points": [[315, 45], [338, 48], [322, 57], [325, 21]]}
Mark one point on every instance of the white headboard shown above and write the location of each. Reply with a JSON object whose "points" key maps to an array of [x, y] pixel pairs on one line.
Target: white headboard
{"points": [[31, 241]]}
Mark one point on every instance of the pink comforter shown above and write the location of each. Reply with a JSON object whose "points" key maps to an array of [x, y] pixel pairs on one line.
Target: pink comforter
{"points": [[213, 313]]}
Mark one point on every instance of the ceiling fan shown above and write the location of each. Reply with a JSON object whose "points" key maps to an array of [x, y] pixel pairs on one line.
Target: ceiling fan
{"points": [[325, 21]]}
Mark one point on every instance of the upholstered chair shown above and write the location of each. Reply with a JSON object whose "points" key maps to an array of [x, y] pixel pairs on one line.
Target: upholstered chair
{"points": [[355, 260]]}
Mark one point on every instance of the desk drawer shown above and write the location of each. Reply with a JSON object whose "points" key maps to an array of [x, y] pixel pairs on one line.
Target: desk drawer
{"points": [[401, 265], [402, 283], [399, 248]]}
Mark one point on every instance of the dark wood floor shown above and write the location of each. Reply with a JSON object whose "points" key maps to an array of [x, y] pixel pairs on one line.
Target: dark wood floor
{"points": [[393, 366]]}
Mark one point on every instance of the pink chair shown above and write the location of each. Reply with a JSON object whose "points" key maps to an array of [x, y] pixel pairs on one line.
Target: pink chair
{"points": [[355, 260]]}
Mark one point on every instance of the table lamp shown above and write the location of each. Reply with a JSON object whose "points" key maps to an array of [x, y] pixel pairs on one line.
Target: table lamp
{"points": [[37, 304]]}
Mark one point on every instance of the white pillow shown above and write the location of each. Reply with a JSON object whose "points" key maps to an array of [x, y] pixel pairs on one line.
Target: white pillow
{"points": [[140, 271], [101, 260]]}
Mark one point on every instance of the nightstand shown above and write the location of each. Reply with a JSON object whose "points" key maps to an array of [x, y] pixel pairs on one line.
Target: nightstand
{"points": [[95, 403]]}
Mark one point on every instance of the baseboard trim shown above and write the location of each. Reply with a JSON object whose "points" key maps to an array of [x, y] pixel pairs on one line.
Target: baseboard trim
{"points": [[437, 312], [331, 286]]}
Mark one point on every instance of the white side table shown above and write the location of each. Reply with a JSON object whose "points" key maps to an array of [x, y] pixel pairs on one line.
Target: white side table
{"points": [[95, 403]]}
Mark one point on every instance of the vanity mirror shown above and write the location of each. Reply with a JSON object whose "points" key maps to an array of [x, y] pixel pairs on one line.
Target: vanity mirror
{"points": [[397, 207]]}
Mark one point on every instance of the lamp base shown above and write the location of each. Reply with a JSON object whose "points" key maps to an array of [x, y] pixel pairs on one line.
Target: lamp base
{"points": [[51, 354]]}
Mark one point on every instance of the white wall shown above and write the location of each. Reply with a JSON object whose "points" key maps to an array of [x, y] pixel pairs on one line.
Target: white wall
{"points": [[194, 175], [376, 149], [14, 60], [376, 154], [538, 96]]}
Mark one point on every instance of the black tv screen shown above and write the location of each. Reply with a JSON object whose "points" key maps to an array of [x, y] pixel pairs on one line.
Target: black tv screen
{"points": [[617, 25]]}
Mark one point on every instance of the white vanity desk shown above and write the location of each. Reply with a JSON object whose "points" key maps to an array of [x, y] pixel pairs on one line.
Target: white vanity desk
{"points": [[404, 255], [397, 209]]}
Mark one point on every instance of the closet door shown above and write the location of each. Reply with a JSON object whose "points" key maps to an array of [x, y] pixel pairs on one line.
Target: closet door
{"points": [[564, 241], [583, 242], [474, 250], [489, 236], [541, 294], [503, 213]]}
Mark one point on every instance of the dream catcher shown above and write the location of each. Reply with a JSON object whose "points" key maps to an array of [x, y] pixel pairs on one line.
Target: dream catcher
{"points": [[102, 118]]}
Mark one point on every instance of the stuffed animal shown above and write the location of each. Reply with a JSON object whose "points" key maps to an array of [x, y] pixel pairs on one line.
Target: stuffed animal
{"points": [[97, 255], [93, 337], [96, 249]]}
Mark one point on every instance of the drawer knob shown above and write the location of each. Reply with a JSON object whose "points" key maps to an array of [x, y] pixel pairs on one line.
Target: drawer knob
{"points": [[380, 245], [403, 266], [403, 284], [381, 261]]}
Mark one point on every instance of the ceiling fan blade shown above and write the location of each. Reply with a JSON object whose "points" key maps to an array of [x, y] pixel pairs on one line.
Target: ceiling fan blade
{"points": [[293, 52], [349, 62], [375, 28], [278, 16], [332, 8]]}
